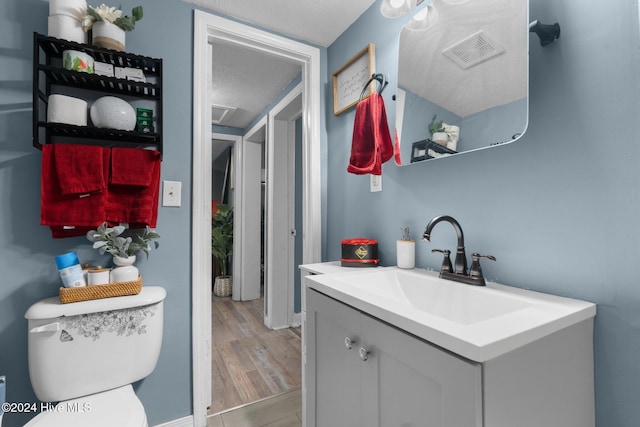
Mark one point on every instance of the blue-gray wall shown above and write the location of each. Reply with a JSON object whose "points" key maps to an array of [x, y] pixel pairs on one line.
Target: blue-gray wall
{"points": [[28, 272], [559, 209]]}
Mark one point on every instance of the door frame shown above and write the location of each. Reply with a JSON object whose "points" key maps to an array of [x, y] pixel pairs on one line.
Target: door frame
{"points": [[207, 26], [279, 285]]}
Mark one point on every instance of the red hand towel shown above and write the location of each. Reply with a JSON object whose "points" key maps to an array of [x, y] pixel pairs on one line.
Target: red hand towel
{"points": [[397, 156], [79, 168], [371, 145], [60, 210], [135, 204], [131, 166]]}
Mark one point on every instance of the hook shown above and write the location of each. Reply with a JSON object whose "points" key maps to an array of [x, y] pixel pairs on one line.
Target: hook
{"points": [[380, 78], [547, 33]]}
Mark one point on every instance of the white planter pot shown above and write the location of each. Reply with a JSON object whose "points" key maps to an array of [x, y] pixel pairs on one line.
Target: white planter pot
{"points": [[440, 138], [222, 286], [108, 35], [124, 270]]}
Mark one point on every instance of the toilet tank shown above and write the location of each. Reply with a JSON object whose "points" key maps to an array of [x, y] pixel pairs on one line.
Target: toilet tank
{"points": [[83, 348]]}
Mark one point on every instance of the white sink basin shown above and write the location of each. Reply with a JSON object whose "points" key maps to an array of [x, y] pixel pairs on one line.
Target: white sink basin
{"points": [[464, 304], [477, 322]]}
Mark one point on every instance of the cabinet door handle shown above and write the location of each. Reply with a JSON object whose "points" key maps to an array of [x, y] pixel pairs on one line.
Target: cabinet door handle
{"points": [[349, 342], [364, 354]]}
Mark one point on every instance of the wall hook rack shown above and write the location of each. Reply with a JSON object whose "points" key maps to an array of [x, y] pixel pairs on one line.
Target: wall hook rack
{"points": [[547, 33], [382, 80]]}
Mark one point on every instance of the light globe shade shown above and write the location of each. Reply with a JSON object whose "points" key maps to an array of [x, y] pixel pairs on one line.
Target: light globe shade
{"points": [[396, 8]]}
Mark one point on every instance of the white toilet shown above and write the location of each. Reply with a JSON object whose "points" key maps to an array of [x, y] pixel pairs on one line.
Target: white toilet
{"points": [[85, 355]]}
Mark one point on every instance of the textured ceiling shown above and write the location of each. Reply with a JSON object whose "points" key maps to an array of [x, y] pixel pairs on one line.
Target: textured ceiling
{"points": [[496, 81], [247, 80], [318, 22]]}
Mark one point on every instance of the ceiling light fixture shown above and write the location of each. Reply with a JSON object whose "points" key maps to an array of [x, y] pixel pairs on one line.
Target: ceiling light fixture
{"points": [[397, 8], [423, 19]]}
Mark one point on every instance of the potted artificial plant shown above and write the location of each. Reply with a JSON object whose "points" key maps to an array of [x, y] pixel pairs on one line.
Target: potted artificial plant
{"points": [[437, 129], [108, 25], [222, 247], [123, 249]]}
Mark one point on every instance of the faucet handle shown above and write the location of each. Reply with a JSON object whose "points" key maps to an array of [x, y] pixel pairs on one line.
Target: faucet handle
{"points": [[446, 262], [476, 270]]}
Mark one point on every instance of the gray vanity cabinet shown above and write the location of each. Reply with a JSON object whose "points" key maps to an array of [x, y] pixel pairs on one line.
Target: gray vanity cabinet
{"points": [[361, 371]]}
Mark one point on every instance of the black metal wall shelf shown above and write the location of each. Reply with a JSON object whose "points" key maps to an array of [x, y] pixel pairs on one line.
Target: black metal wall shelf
{"points": [[48, 72], [88, 132], [420, 150], [111, 85]]}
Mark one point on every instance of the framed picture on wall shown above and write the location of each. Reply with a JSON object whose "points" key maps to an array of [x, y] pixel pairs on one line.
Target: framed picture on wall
{"points": [[349, 80]]}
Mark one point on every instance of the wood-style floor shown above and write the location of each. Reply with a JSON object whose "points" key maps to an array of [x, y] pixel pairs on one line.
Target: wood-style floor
{"points": [[250, 361], [283, 410]]}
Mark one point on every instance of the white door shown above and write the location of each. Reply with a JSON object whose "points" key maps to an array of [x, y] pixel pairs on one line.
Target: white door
{"points": [[250, 217], [279, 217]]}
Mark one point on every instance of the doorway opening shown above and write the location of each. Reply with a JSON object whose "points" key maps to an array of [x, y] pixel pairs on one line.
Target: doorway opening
{"points": [[210, 27], [251, 361]]}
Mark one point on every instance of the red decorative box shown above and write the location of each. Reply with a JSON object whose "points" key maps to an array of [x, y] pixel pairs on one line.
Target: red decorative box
{"points": [[360, 252]]}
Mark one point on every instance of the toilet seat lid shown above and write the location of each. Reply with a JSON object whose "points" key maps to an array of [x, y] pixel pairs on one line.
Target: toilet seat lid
{"points": [[118, 407]]}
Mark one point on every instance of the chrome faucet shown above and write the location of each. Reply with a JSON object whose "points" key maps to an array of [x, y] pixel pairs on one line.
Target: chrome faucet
{"points": [[474, 277]]}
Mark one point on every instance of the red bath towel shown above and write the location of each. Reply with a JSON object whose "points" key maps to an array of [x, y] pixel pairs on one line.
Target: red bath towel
{"points": [[57, 209], [371, 145], [134, 204], [132, 166], [79, 168]]}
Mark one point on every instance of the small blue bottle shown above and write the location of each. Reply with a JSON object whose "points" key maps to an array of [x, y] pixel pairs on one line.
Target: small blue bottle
{"points": [[70, 270]]}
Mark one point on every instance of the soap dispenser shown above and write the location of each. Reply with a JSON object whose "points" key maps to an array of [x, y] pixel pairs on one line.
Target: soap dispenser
{"points": [[406, 250]]}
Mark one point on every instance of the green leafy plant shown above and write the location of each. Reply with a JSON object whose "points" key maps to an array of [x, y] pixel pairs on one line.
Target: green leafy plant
{"points": [[222, 236], [435, 125], [110, 240], [113, 16]]}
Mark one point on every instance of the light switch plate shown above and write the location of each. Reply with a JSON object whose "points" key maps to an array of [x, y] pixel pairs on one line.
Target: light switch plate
{"points": [[376, 183], [171, 193]]}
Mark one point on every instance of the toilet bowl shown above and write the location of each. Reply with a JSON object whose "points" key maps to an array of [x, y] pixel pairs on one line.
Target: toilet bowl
{"points": [[86, 355], [119, 407]]}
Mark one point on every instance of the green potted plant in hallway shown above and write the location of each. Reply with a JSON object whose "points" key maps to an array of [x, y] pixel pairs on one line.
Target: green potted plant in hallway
{"points": [[222, 247]]}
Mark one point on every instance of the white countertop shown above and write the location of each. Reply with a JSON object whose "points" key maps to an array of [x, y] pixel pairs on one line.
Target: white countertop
{"points": [[330, 267], [479, 323]]}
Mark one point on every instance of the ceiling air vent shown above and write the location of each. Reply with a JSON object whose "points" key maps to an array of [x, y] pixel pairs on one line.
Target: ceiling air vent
{"points": [[219, 113], [474, 49]]}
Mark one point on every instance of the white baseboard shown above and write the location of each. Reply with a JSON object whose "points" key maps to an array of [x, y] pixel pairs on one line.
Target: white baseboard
{"points": [[180, 422]]}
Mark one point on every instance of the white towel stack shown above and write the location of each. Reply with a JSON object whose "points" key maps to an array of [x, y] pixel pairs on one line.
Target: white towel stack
{"points": [[65, 20]]}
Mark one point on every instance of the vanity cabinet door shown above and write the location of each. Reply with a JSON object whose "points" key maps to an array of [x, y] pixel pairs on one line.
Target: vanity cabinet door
{"points": [[409, 382], [332, 369], [362, 372]]}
